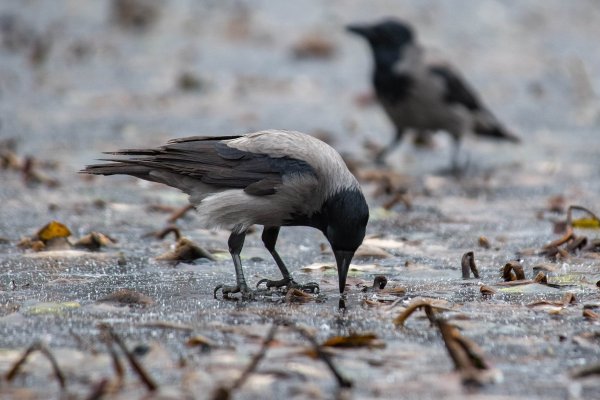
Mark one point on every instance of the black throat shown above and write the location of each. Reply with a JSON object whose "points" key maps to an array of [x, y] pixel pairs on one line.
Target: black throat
{"points": [[344, 214]]}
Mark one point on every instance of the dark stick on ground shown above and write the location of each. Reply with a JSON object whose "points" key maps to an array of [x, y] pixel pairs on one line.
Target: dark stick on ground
{"points": [[256, 359], [10, 375], [116, 362], [135, 365], [341, 380], [180, 213], [99, 390], [223, 393], [169, 229], [468, 265]]}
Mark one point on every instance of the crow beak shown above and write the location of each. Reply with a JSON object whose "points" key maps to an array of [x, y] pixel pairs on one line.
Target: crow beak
{"points": [[343, 259], [360, 30]]}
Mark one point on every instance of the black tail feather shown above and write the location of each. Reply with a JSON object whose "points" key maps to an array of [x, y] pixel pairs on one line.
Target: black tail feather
{"points": [[497, 132]]}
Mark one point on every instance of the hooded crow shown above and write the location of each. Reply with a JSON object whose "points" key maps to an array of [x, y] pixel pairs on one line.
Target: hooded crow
{"points": [[272, 178], [421, 96]]}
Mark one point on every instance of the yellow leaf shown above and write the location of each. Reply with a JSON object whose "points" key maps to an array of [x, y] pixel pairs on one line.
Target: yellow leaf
{"points": [[53, 230], [586, 223]]}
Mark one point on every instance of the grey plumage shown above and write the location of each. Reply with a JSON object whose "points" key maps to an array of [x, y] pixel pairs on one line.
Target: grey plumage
{"points": [[421, 96], [271, 178]]}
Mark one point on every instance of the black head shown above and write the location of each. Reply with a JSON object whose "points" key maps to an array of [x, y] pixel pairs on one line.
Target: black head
{"points": [[388, 34], [346, 216]]}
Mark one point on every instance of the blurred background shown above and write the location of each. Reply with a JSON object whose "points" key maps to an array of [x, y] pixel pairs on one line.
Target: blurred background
{"points": [[81, 77], [78, 77]]}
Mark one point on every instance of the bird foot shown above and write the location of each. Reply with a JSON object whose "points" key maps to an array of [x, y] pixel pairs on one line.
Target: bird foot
{"points": [[228, 291], [289, 283]]}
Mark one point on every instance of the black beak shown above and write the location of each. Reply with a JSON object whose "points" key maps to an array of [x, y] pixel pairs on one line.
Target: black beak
{"points": [[343, 259], [361, 30]]}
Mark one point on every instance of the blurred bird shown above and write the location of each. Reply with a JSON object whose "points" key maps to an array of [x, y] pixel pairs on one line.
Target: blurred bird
{"points": [[420, 96], [272, 178]]}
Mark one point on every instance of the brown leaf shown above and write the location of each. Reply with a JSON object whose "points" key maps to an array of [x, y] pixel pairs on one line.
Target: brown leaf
{"points": [[483, 242], [95, 240], [313, 46], [185, 250], [541, 278], [298, 296], [468, 265], [513, 270], [589, 314], [429, 305], [199, 341], [487, 290], [370, 251], [355, 340], [127, 297]]}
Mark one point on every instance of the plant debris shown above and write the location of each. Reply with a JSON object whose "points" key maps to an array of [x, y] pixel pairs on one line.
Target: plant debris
{"points": [[431, 306], [487, 290], [127, 297], [95, 240], [513, 271], [468, 358], [570, 242], [133, 362], [568, 298], [468, 265], [135, 14], [483, 242], [355, 340], [298, 296], [388, 183], [38, 346], [180, 213], [185, 251], [313, 46], [52, 236]]}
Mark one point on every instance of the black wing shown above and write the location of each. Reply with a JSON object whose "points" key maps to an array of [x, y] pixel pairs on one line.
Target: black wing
{"points": [[209, 160], [457, 91]]}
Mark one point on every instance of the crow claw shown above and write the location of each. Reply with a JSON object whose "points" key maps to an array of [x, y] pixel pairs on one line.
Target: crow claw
{"points": [[247, 294]]}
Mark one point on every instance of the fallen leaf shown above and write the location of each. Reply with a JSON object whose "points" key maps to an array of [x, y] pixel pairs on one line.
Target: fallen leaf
{"points": [[484, 242], [298, 296], [313, 46], [95, 240], [185, 250], [53, 229], [513, 270], [355, 340], [318, 267], [51, 308], [487, 290], [199, 341], [370, 251], [429, 305], [127, 297], [586, 223]]}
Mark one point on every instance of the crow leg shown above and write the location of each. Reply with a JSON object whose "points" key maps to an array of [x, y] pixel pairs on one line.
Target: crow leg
{"points": [[236, 242], [423, 139], [269, 238], [383, 153], [455, 166]]}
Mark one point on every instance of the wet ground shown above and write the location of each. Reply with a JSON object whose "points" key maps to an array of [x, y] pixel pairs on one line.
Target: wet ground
{"points": [[74, 81]]}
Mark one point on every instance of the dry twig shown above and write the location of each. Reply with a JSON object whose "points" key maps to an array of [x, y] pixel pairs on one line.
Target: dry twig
{"points": [[135, 365], [38, 346]]}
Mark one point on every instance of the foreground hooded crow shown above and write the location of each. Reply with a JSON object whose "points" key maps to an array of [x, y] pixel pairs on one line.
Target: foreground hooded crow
{"points": [[420, 96], [272, 178]]}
